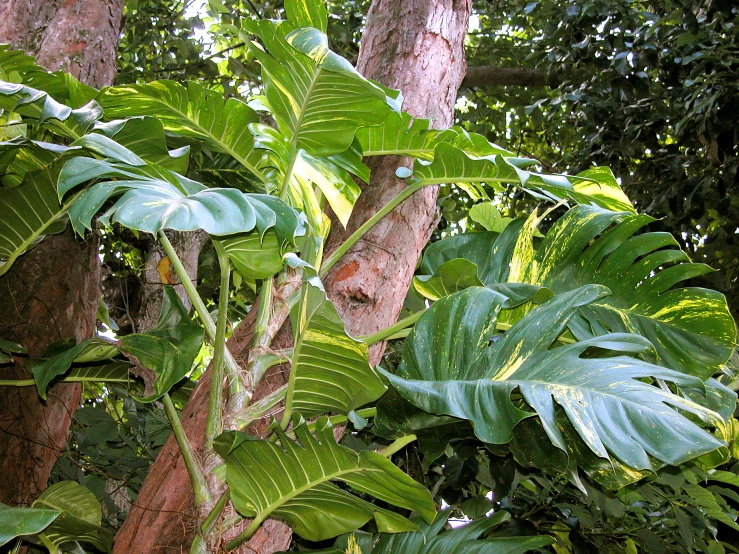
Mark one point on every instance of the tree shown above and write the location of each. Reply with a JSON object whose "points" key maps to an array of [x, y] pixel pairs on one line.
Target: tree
{"points": [[80, 38], [366, 305], [581, 336]]}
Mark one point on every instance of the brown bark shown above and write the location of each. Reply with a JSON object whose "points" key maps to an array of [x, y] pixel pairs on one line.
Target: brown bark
{"points": [[414, 45], [39, 304], [77, 36], [158, 272], [490, 76], [51, 292]]}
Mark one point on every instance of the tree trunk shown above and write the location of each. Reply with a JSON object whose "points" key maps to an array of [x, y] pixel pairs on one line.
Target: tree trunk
{"points": [[51, 292], [418, 47], [158, 272]]}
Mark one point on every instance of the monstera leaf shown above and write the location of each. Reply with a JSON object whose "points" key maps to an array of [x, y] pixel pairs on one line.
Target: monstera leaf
{"points": [[154, 198], [190, 111], [330, 370], [164, 355], [454, 165], [292, 481], [691, 329], [455, 364]]}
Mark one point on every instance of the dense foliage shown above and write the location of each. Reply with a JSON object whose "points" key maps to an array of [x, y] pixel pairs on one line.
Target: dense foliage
{"points": [[560, 383]]}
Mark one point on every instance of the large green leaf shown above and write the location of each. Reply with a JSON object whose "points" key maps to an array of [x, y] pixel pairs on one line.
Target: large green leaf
{"points": [[190, 111], [292, 482], [455, 166], [433, 538], [317, 98], [168, 350], [38, 108], [330, 370], [455, 364], [29, 212], [79, 519], [17, 522], [18, 67], [154, 198], [691, 328], [403, 135]]}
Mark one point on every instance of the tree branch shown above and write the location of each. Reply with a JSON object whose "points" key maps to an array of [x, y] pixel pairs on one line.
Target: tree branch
{"points": [[490, 76]]}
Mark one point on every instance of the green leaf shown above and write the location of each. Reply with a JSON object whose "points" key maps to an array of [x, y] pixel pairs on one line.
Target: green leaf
{"points": [[307, 13], [79, 519], [29, 211], [317, 98], [45, 371], [17, 522], [38, 108], [487, 215], [403, 135], [193, 112], [691, 328], [330, 370], [455, 166], [292, 482], [168, 351], [153, 198], [453, 364], [144, 136], [433, 539]]}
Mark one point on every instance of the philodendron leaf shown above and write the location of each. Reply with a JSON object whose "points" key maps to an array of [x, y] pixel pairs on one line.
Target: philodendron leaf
{"points": [[164, 355], [317, 98], [17, 522], [190, 111], [453, 165], [259, 255], [455, 364], [292, 481], [153, 198], [79, 518], [38, 108], [330, 370]]}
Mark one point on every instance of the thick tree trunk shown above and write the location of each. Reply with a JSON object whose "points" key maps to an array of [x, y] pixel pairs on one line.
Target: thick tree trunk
{"points": [[414, 45], [51, 292], [77, 36]]}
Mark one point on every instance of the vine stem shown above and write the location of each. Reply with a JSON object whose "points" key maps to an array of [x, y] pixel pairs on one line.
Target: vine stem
{"points": [[245, 535], [199, 486], [337, 254], [214, 420], [390, 332], [236, 389], [199, 543], [397, 445]]}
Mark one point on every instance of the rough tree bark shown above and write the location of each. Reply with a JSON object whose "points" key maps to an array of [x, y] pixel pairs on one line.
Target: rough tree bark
{"points": [[418, 47], [51, 292]]}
